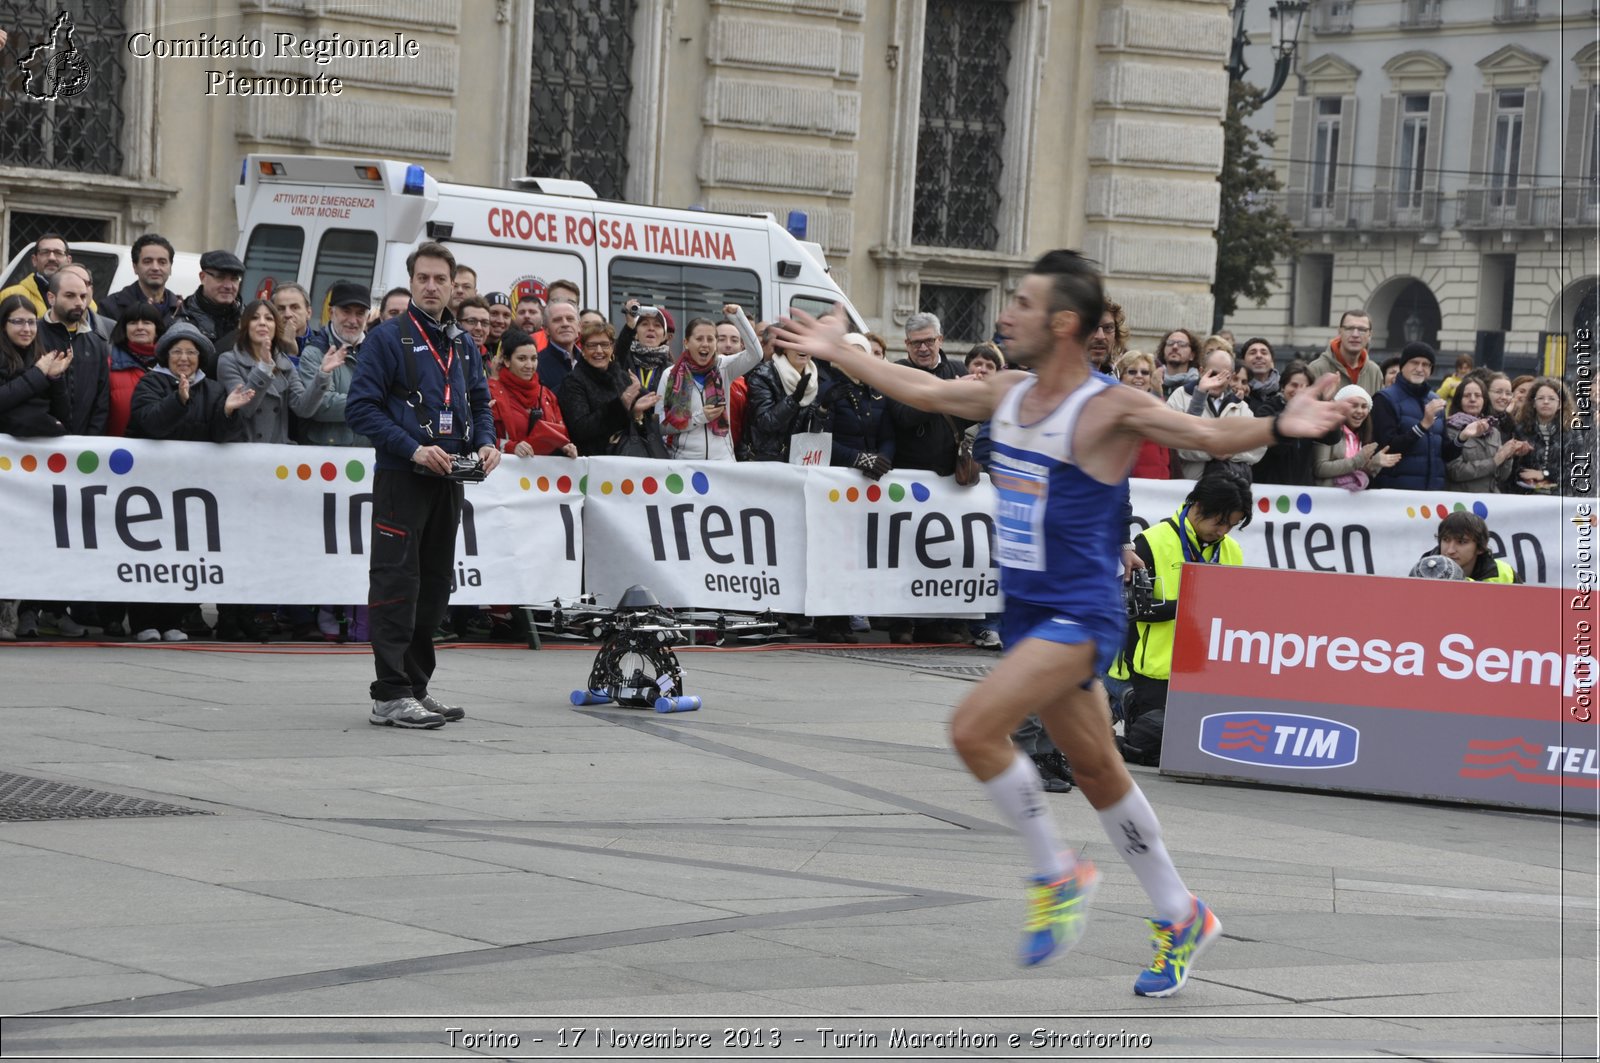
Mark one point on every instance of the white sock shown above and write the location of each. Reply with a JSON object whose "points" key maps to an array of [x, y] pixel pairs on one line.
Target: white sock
{"points": [[1132, 827], [1019, 794]]}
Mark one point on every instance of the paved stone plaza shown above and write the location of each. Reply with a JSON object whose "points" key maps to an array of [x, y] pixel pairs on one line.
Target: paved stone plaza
{"points": [[803, 853]]}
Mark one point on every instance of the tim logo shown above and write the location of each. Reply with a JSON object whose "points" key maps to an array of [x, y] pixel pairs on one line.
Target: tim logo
{"points": [[1279, 740], [1577, 767], [56, 69]]}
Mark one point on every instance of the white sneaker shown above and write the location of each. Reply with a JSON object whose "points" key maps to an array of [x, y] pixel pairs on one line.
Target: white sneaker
{"points": [[987, 639], [174, 635], [149, 634], [8, 620], [859, 623]]}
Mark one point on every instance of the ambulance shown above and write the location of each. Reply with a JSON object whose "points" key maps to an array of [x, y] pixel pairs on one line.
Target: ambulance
{"points": [[321, 219]]}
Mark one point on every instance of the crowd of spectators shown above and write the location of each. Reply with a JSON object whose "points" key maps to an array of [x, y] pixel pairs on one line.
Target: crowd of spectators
{"points": [[147, 362]]}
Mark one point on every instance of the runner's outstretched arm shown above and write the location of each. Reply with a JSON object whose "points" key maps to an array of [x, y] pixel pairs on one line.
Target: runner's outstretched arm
{"points": [[1306, 417], [970, 400]]}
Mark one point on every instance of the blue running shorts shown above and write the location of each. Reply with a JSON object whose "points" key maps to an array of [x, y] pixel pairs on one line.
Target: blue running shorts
{"points": [[1024, 620]]}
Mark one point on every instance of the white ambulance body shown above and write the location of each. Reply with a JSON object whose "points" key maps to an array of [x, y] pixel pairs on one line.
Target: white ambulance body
{"points": [[319, 219]]}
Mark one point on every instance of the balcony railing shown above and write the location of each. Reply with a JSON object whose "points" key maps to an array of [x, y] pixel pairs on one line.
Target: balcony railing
{"points": [[1470, 209], [1421, 14], [1516, 10], [1333, 16]]}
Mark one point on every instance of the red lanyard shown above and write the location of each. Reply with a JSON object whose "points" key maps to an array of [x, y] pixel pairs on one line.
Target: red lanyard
{"points": [[443, 365]]}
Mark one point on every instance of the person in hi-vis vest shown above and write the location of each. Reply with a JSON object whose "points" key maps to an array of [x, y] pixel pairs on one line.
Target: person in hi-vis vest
{"points": [[1196, 534], [1463, 537]]}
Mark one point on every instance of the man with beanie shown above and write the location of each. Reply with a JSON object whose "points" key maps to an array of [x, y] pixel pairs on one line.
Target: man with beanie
{"points": [[499, 320], [1347, 357], [1408, 420], [421, 397]]}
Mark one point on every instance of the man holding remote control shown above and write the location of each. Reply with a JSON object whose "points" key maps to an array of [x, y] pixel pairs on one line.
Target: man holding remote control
{"points": [[421, 397]]}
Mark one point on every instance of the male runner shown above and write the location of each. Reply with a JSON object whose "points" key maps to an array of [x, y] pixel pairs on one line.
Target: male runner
{"points": [[1064, 440]]}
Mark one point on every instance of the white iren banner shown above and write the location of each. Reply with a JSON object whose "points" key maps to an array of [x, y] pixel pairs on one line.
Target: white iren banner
{"points": [[101, 519], [1382, 533], [911, 544], [712, 534]]}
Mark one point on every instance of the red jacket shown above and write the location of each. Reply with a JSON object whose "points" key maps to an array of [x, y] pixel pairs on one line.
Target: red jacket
{"points": [[738, 395], [125, 376], [547, 433], [1153, 463]]}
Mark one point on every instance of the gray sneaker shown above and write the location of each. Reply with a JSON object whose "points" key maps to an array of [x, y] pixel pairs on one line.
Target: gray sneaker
{"points": [[404, 712], [451, 713]]}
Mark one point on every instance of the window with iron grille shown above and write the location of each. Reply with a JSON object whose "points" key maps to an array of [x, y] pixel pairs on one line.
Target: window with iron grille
{"points": [[578, 113], [964, 312], [25, 227], [76, 63], [966, 59]]}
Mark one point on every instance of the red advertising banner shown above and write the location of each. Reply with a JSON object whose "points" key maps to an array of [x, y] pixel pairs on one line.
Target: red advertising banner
{"points": [[1460, 691]]}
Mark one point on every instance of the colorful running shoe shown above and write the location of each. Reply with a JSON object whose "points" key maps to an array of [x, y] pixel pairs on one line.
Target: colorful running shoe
{"points": [[1176, 947], [1056, 913]]}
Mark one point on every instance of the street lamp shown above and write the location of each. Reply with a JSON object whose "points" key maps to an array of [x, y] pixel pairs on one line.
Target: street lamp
{"points": [[1287, 16]]}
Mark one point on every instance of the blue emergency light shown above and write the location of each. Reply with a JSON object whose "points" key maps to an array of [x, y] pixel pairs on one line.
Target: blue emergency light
{"points": [[415, 179], [797, 224]]}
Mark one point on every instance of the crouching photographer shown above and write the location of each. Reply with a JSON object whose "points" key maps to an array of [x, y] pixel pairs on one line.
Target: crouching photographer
{"points": [[1197, 534], [420, 395]]}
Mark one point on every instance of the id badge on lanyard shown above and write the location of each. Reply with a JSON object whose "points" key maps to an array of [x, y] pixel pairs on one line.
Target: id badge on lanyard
{"points": [[447, 417]]}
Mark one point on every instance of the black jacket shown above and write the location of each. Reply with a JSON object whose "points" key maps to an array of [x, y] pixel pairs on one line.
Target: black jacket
{"points": [[158, 413], [554, 367], [772, 414], [31, 404], [218, 322], [88, 377], [924, 440], [120, 302], [858, 417], [591, 405]]}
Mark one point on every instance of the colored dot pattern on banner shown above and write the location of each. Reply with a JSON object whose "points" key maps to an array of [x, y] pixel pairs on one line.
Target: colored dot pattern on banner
{"points": [[1283, 503], [118, 461], [354, 471], [1444, 509], [875, 493], [699, 482]]}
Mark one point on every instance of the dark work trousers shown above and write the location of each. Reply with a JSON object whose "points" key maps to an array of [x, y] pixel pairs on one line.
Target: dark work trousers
{"points": [[1147, 694], [414, 522]]}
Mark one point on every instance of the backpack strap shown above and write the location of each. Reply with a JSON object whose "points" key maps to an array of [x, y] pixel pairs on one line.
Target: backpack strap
{"points": [[411, 395]]}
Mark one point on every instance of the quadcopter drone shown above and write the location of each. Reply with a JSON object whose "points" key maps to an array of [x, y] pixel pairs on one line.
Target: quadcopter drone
{"points": [[636, 666], [583, 619]]}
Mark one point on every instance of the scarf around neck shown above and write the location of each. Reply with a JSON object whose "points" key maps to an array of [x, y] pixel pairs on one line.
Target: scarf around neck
{"points": [[1355, 479], [790, 378], [681, 387], [1352, 372]]}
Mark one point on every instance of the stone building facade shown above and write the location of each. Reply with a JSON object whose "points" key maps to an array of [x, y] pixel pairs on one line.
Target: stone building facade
{"points": [[935, 147], [1439, 164]]}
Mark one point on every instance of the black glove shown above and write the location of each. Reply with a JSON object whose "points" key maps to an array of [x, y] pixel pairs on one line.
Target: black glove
{"points": [[872, 465], [800, 387]]}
